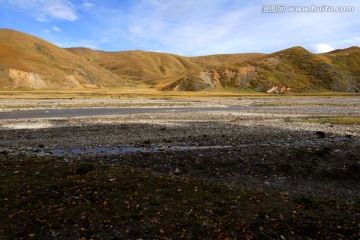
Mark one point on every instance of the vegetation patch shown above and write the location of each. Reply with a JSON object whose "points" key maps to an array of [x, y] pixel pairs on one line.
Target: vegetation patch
{"points": [[92, 105], [331, 120], [48, 198]]}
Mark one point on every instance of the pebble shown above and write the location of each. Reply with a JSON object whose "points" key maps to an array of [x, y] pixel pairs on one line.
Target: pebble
{"points": [[5, 151], [163, 148], [243, 163]]}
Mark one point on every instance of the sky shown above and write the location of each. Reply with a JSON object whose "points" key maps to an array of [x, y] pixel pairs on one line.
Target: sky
{"points": [[188, 27]]}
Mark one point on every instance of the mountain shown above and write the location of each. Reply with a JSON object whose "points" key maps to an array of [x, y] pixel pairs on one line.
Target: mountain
{"points": [[27, 62], [295, 67], [155, 68], [225, 59], [143, 67]]}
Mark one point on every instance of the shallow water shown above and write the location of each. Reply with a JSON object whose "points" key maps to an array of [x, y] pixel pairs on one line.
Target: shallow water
{"points": [[76, 151]]}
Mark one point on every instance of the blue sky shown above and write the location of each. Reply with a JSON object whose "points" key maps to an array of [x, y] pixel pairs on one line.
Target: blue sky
{"points": [[185, 27]]}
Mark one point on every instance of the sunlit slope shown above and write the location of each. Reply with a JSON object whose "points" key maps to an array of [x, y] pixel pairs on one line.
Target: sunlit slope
{"points": [[295, 67], [139, 65], [225, 59], [154, 68], [28, 62]]}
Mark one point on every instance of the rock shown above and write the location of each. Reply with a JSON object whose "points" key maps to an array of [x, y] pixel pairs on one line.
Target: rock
{"points": [[320, 134], [36, 150], [163, 148], [177, 171], [26, 79], [274, 90], [5, 151], [84, 168]]}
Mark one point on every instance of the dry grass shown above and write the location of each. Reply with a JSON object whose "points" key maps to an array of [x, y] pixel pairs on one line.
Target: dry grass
{"points": [[227, 59], [152, 93], [54, 64], [304, 72], [331, 120], [157, 68], [139, 65], [120, 93]]}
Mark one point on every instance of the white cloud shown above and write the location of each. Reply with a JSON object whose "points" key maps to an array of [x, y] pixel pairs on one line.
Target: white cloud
{"points": [[204, 27], [46, 10], [81, 43], [213, 26], [184, 27], [60, 9], [322, 48], [87, 5], [200, 27], [57, 29]]}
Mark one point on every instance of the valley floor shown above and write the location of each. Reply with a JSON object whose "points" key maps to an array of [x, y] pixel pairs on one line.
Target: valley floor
{"points": [[273, 167]]}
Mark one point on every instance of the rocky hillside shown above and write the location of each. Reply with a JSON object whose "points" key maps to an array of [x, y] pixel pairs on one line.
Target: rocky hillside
{"points": [[27, 62], [154, 68], [215, 79], [295, 67]]}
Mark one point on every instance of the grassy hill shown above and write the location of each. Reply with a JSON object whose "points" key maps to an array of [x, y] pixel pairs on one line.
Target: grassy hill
{"points": [[147, 67], [225, 59], [295, 67], [154, 68], [27, 62]]}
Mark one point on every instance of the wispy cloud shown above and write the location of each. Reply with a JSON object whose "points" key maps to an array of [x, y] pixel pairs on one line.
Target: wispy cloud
{"points": [[45, 10], [81, 43], [189, 27], [87, 5], [209, 26], [182, 26], [322, 48], [57, 29]]}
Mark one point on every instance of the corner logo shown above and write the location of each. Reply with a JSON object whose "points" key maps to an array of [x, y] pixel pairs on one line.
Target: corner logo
{"points": [[273, 8]]}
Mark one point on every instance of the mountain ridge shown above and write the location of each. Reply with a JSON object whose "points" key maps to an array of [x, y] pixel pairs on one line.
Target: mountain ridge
{"points": [[32, 63], [294, 67]]}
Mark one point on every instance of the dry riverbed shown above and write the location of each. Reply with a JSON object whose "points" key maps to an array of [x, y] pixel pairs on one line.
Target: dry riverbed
{"points": [[288, 158]]}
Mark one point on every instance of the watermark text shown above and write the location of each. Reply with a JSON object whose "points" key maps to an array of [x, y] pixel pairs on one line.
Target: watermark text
{"points": [[282, 8]]}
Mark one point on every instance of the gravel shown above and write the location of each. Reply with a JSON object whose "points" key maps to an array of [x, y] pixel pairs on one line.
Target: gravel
{"points": [[260, 147]]}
